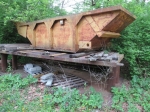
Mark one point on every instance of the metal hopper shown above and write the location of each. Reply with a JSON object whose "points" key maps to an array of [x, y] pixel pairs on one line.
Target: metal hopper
{"points": [[74, 33]]}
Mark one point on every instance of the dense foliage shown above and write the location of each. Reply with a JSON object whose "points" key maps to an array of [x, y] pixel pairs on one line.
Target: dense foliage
{"points": [[24, 11], [134, 98], [17, 95], [135, 39]]}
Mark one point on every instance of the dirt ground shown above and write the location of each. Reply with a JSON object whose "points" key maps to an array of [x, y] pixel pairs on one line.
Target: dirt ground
{"points": [[84, 75]]}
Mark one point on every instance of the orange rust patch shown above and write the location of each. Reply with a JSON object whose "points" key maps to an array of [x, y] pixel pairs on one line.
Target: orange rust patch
{"points": [[62, 36], [29, 34], [85, 31], [41, 35]]}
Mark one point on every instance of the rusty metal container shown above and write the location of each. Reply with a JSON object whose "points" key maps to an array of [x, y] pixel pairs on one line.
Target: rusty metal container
{"points": [[74, 33]]}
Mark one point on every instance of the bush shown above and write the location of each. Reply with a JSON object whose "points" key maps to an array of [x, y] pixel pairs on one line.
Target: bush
{"points": [[135, 40], [133, 99]]}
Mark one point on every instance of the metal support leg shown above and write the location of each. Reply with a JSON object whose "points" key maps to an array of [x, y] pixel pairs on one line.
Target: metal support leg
{"points": [[113, 77], [14, 62], [4, 62]]}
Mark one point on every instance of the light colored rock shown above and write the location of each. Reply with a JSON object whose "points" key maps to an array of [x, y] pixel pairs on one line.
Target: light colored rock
{"points": [[27, 66], [43, 81], [47, 76], [32, 69], [49, 82]]}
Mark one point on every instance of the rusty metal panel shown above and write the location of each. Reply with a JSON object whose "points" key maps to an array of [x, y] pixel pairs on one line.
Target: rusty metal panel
{"points": [[41, 35], [62, 35], [74, 33], [85, 31]]}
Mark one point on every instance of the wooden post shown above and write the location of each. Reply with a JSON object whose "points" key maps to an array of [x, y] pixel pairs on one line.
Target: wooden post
{"points": [[113, 77], [4, 62], [14, 62]]}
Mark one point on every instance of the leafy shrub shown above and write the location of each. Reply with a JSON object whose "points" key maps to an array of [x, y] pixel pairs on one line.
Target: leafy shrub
{"points": [[15, 81], [136, 97], [72, 100], [135, 39], [12, 97]]}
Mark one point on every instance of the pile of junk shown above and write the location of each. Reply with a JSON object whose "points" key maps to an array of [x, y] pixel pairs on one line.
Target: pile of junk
{"points": [[36, 71]]}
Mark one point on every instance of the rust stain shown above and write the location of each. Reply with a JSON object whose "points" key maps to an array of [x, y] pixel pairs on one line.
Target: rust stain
{"points": [[119, 23], [86, 33], [62, 36], [41, 35], [30, 34], [103, 19], [50, 34]]}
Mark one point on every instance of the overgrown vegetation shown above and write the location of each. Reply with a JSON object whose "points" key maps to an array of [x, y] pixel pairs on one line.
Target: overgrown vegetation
{"points": [[15, 97], [135, 39], [134, 98], [24, 11], [15, 82], [17, 94]]}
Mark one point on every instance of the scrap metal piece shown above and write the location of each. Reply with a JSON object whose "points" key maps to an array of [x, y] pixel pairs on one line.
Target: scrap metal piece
{"points": [[92, 59], [77, 55]]}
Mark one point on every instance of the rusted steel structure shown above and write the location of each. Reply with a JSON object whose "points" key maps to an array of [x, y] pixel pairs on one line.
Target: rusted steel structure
{"points": [[71, 34], [28, 51], [75, 33]]}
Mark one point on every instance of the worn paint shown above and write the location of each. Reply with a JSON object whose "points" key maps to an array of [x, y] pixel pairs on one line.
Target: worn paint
{"points": [[62, 36], [77, 29], [41, 35]]}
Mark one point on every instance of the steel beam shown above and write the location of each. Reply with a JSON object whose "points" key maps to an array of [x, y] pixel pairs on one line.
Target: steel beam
{"points": [[14, 62], [113, 78], [4, 62]]}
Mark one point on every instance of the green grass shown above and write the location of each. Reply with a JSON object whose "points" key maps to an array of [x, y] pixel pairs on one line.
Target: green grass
{"points": [[18, 95], [136, 97], [25, 95]]}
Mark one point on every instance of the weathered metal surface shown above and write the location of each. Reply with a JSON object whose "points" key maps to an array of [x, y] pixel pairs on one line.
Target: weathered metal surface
{"points": [[113, 77], [83, 59], [74, 33], [14, 62], [4, 62]]}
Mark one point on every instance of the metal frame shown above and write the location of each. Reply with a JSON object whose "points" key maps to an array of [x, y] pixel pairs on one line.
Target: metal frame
{"points": [[113, 76]]}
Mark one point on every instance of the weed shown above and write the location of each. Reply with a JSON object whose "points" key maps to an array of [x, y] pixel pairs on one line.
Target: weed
{"points": [[136, 97], [9, 68], [14, 96]]}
